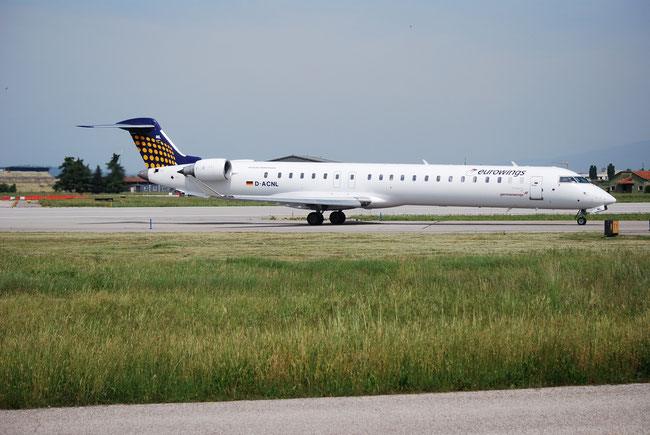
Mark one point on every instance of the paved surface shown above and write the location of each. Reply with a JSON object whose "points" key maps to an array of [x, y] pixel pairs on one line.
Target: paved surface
{"points": [[276, 219], [19, 204], [604, 409]]}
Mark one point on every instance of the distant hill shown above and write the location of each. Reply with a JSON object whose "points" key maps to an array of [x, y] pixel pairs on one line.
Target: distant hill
{"points": [[623, 156]]}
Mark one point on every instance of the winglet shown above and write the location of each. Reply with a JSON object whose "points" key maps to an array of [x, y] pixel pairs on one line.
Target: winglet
{"points": [[514, 164]]}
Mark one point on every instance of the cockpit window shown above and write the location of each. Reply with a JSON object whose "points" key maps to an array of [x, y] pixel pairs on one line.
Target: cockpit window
{"points": [[582, 180], [567, 180]]}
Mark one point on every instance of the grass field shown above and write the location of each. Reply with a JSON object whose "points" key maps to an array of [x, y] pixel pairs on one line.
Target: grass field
{"points": [[124, 318], [139, 200], [631, 197]]}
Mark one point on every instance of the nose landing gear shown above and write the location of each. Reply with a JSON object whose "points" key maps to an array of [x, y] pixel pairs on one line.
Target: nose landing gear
{"points": [[581, 217]]}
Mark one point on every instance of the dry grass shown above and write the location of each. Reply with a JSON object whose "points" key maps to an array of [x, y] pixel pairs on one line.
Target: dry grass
{"points": [[29, 181]]}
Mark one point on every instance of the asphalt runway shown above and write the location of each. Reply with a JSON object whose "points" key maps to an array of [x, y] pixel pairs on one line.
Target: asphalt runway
{"points": [[572, 410], [278, 219]]}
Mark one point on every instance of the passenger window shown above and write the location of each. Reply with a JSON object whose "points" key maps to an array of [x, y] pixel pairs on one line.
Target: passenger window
{"points": [[426, 178], [462, 179], [369, 177], [390, 178], [487, 179], [499, 180], [266, 174], [451, 178], [290, 174], [474, 179], [438, 178], [351, 176], [279, 174], [414, 178], [302, 175], [381, 177], [337, 176], [325, 176], [313, 175]]}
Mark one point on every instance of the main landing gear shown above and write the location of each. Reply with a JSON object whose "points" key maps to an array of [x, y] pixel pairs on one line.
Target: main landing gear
{"points": [[337, 217], [316, 218], [581, 217]]}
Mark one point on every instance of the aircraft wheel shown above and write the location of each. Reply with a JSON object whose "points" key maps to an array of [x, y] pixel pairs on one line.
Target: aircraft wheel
{"points": [[582, 220], [314, 218], [337, 217]]}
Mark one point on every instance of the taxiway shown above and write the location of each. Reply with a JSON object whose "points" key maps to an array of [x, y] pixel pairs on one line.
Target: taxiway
{"points": [[279, 220], [590, 409]]}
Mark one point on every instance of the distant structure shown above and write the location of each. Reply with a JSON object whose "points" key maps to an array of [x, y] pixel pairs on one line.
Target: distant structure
{"points": [[25, 169], [28, 179], [137, 184], [565, 164], [602, 175], [629, 181], [295, 158]]}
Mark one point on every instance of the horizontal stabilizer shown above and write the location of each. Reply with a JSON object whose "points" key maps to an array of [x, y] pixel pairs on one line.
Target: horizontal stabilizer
{"points": [[156, 149], [125, 126]]}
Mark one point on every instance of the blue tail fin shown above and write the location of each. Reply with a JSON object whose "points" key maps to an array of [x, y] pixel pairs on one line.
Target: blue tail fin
{"points": [[153, 144]]}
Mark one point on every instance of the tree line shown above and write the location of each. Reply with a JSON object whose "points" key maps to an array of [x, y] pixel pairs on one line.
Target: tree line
{"points": [[77, 177]]}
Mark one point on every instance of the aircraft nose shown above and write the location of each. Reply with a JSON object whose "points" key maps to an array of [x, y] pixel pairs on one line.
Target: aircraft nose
{"points": [[144, 174], [609, 199]]}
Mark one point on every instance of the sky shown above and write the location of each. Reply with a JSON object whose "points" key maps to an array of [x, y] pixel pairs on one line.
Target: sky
{"points": [[363, 81]]}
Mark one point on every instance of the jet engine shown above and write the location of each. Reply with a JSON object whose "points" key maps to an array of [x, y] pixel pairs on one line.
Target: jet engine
{"points": [[209, 169]]}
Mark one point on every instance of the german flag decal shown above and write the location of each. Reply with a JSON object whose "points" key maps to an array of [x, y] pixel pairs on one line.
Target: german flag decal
{"points": [[249, 183]]}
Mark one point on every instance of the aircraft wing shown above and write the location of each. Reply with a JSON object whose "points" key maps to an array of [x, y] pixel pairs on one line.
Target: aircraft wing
{"points": [[306, 200], [309, 202]]}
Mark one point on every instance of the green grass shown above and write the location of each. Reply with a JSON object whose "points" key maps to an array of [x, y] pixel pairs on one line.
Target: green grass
{"points": [[129, 318], [631, 197], [144, 200], [503, 217]]}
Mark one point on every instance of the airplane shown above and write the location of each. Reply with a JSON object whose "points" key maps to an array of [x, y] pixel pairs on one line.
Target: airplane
{"points": [[336, 187]]}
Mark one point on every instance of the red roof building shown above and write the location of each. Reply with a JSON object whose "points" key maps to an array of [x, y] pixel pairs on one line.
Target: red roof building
{"points": [[630, 181]]}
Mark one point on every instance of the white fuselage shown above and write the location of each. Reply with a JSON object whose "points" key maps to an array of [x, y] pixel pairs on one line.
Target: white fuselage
{"points": [[390, 185]]}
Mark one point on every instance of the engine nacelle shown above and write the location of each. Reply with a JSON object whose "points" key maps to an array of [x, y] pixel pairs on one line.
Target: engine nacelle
{"points": [[209, 169]]}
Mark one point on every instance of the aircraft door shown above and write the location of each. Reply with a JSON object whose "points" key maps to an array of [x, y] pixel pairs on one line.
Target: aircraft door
{"points": [[337, 179], [536, 191], [352, 180]]}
